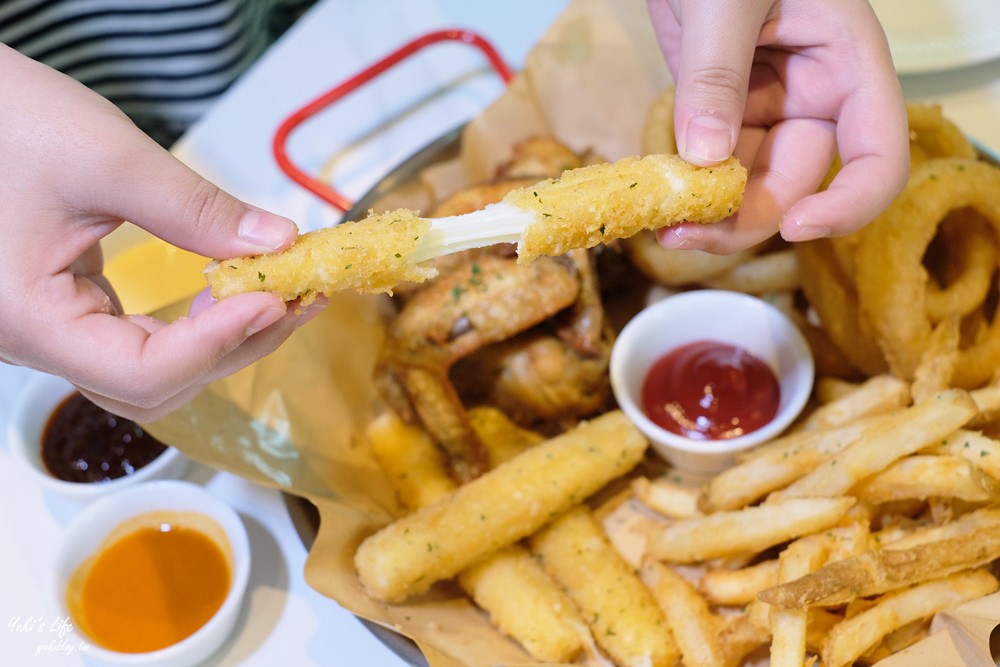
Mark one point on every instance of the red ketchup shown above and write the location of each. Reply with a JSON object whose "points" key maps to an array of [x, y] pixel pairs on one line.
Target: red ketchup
{"points": [[708, 390]]}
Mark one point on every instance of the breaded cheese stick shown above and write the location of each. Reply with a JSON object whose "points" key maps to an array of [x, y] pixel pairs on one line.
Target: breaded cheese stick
{"points": [[580, 209], [523, 602], [625, 620], [497, 509], [411, 461]]}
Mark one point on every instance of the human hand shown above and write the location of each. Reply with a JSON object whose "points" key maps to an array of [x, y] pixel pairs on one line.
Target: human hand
{"points": [[72, 168], [785, 85]]}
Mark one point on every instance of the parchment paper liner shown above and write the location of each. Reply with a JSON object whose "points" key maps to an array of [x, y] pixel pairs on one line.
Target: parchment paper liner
{"points": [[295, 421]]}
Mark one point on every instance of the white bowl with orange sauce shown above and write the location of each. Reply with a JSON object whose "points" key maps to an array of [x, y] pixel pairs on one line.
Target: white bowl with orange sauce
{"points": [[153, 575], [740, 331], [35, 406]]}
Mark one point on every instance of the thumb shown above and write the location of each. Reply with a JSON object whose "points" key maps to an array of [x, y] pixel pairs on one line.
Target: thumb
{"points": [[717, 43], [143, 183]]}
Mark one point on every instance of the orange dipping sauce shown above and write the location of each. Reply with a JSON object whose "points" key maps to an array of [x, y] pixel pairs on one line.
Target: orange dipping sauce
{"points": [[156, 580], [708, 390]]}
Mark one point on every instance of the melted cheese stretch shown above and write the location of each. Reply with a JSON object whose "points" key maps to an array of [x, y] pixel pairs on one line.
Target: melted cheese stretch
{"points": [[580, 209]]}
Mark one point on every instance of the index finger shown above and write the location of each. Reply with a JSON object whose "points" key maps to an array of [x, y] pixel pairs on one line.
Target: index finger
{"points": [[873, 140]]}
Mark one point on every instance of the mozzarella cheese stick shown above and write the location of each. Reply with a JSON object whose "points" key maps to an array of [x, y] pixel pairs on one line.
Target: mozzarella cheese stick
{"points": [[497, 509], [510, 585], [580, 209]]}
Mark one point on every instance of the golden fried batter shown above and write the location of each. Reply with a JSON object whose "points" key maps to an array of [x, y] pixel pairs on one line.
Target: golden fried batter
{"points": [[591, 205], [371, 255], [580, 209]]}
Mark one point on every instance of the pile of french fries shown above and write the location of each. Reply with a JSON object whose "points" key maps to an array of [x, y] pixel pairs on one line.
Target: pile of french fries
{"points": [[838, 542]]}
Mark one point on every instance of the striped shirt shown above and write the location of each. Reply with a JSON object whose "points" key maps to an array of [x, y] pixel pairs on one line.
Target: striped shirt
{"points": [[163, 62]]}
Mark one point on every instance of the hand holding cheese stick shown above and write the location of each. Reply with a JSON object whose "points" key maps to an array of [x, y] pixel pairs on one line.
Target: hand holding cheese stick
{"points": [[766, 81]]}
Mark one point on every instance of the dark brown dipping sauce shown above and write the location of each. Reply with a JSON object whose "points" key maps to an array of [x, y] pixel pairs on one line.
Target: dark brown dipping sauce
{"points": [[85, 443]]}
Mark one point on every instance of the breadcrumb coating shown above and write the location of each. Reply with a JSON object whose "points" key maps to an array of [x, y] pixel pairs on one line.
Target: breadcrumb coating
{"points": [[597, 203], [369, 255], [580, 209]]}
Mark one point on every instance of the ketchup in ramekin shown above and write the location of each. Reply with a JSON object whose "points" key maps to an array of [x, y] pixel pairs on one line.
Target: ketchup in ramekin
{"points": [[708, 390]]}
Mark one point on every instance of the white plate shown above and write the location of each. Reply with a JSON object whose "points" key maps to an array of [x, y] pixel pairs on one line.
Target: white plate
{"points": [[935, 35]]}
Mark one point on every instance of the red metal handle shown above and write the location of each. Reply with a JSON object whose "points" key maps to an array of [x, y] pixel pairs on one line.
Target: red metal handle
{"points": [[325, 191]]}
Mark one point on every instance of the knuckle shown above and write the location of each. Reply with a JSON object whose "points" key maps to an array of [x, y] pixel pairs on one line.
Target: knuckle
{"points": [[206, 204], [139, 398], [718, 83]]}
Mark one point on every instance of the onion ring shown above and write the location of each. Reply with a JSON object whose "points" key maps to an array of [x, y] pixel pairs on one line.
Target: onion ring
{"points": [[675, 268], [969, 252], [658, 129], [934, 136], [768, 272], [833, 298], [890, 275]]}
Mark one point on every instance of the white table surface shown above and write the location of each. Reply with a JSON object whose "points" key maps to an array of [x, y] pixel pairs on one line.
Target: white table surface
{"points": [[284, 621]]}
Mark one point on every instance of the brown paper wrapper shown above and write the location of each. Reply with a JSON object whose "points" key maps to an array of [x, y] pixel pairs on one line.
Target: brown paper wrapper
{"points": [[296, 420], [959, 637]]}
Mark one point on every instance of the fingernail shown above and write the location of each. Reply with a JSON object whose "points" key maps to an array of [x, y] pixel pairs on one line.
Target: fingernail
{"points": [[201, 301], [796, 230], [266, 231], [676, 238], [311, 311], [707, 139], [265, 319]]}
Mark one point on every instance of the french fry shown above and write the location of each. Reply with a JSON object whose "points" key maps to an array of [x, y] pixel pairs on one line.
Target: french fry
{"points": [[937, 363], [692, 623], [980, 450], [676, 501], [778, 464], [928, 476], [880, 570], [848, 540], [850, 639], [624, 619], [759, 614], [740, 636], [737, 588], [820, 622], [789, 627], [975, 520], [769, 272], [626, 524], [879, 394], [897, 640], [988, 401], [751, 529], [495, 510], [898, 436], [829, 389], [522, 601]]}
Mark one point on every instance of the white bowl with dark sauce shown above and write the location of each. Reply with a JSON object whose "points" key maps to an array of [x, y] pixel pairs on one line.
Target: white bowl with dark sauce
{"points": [[78, 451]]}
